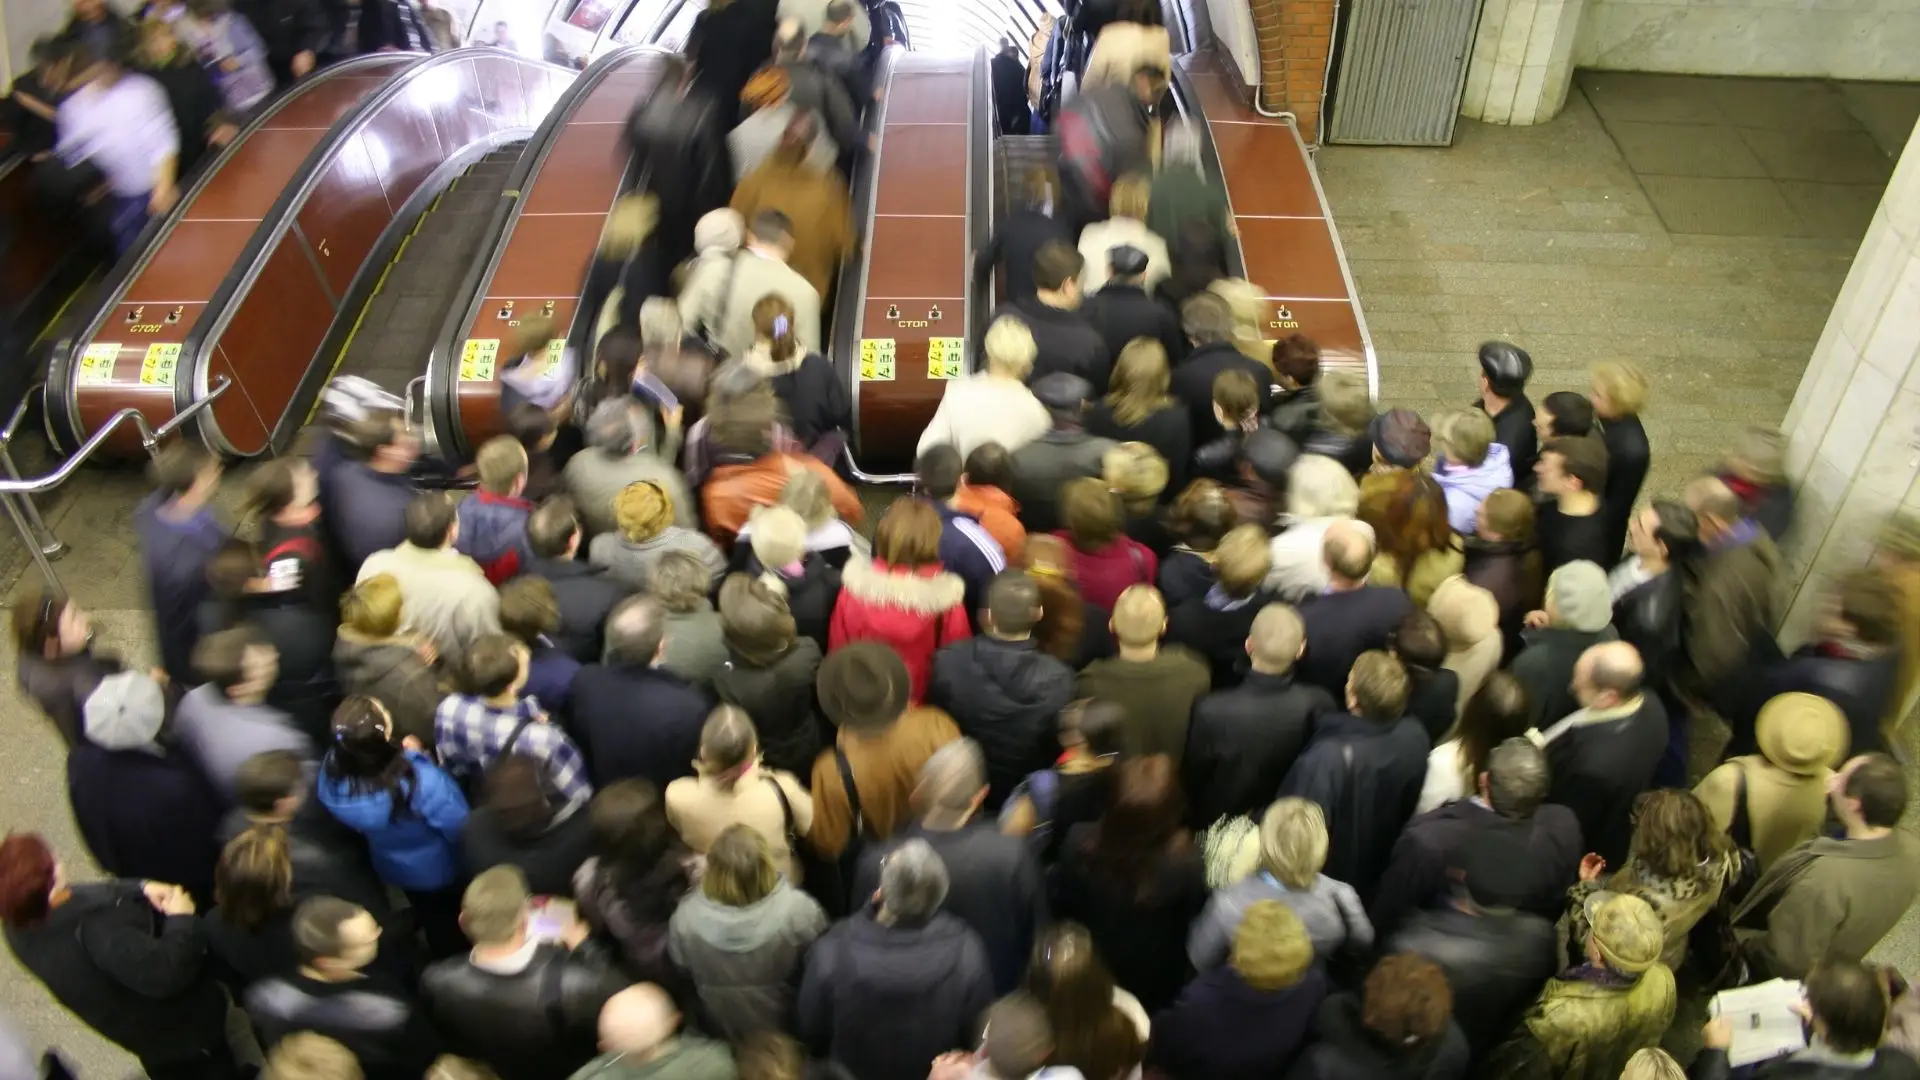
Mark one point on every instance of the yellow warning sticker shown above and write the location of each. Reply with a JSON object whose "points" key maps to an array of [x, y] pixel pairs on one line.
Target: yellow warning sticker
{"points": [[876, 359], [157, 367], [550, 367], [476, 359], [946, 357], [96, 363]]}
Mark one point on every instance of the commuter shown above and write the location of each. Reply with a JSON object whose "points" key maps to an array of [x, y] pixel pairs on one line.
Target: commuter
{"points": [[57, 665], [1408, 512], [366, 498], [250, 933], [742, 936], [493, 521], [1252, 1016], [1340, 431], [1320, 493], [1105, 134], [1834, 898], [813, 198], [986, 480], [996, 885], [230, 48], [902, 597], [282, 496], [1469, 621], [1571, 524], [275, 790], [375, 657], [1678, 862], [731, 786], [809, 586], [1497, 711], [819, 502], [1292, 851], [1125, 227], [445, 595], [1296, 374], [332, 991], [641, 1035], [1618, 393], [1208, 322], [816, 16], [686, 120], [1563, 415], [1236, 416], [226, 720], [1402, 1025], [875, 761], [1216, 624], [390, 25], [814, 394], [198, 111], [1604, 754], [36, 91], [1730, 601], [755, 469], [620, 453], [727, 43], [491, 720], [1470, 465], [632, 677], [1010, 90], [1099, 1030], [524, 1005], [126, 957], [1433, 690], [645, 515], [1897, 557], [1504, 559], [966, 547], [586, 594], [1504, 371], [1157, 684], [1043, 467], [1027, 228], [1137, 407], [1852, 660], [1062, 327], [1576, 617], [1002, 691], [301, 633], [1497, 954], [516, 824], [993, 405], [1776, 799], [638, 873], [1616, 1000], [770, 109], [1106, 560], [1649, 600], [410, 811], [1349, 617], [143, 810], [121, 124], [1079, 784], [820, 94], [831, 48], [1366, 766], [1756, 472], [97, 25], [529, 614], [717, 300], [1185, 199], [902, 948], [1070, 630], [1137, 476], [178, 538], [297, 33], [1135, 878], [1243, 740]]}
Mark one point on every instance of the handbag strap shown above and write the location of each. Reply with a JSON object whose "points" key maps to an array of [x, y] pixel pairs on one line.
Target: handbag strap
{"points": [[1740, 829], [858, 826], [718, 325], [786, 808]]}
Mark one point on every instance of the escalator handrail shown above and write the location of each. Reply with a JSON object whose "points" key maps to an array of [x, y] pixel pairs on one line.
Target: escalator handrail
{"points": [[983, 130], [849, 306], [1187, 101], [89, 317], [442, 361]]}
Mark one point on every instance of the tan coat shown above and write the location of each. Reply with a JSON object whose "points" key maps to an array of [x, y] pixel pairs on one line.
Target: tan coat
{"points": [[818, 204], [1470, 618], [1429, 570], [444, 595], [706, 301], [1124, 48], [700, 810], [1582, 1030], [1783, 810], [1829, 898], [885, 769]]}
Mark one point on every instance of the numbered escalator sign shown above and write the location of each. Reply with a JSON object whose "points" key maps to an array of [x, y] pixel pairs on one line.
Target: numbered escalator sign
{"points": [[876, 359], [157, 367], [96, 363], [946, 357], [476, 359]]}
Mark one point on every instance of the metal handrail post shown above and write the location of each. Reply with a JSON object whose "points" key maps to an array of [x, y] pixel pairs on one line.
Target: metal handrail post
{"points": [[41, 537]]}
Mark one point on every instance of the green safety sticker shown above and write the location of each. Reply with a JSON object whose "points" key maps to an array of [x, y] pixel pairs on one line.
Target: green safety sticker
{"points": [[476, 359], [96, 363], [876, 359], [157, 367], [946, 357]]}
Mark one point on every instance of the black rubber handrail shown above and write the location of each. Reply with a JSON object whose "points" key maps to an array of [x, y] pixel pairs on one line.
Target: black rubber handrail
{"points": [[851, 295]]}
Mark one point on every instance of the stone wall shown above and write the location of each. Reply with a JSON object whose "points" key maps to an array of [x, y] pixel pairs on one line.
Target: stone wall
{"points": [[1836, 39]]}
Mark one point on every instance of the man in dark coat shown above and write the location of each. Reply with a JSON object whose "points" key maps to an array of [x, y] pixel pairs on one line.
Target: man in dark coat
{"points": [[1122, 310], [297, 33], [1504, 371], [367, 495], [178, 538], [1853, 661], [1010, 91], [58, 667], [1508, 806], [1603, 755], [1364, 767], [1208, 322], [1042, 467], [903, 958], [585, 593], [1352, 616], [1104, 136], [995, 885], [388, 25], [328, 859], [1579, 611], [1002, 691], [1243, 741], [688, 125], [1018, 239], [632, 717], [1065, 340], [1730, 598]]}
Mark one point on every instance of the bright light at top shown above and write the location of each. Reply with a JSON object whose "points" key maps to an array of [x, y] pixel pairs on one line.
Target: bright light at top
{"points": [[961, 26]]}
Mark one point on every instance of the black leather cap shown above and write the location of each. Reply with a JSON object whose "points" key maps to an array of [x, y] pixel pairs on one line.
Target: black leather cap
{"points": [[1507, 367], [1127, 260], [1270, 454], [1062, 392]]}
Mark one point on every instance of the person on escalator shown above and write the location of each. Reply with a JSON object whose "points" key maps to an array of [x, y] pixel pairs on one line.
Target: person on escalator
{"points": [[718, 298], [728, 43], [831, 49], [1131, 42], [231, 51], [1123, 310], [750, 469], [771, 108], [815, 200], [371, 490], [121, 124], [191, 92], [393, 26], [1184, 198], [1067, 341], [815, 89], [1018, 238], [1010, 91], [98, 27], [1125, 225], [815, 15], [1106, 133], [296, 32], [815, 396]]}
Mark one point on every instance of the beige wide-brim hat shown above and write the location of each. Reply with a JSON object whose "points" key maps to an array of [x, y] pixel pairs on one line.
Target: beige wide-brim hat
{"points": [[1802, 733]]}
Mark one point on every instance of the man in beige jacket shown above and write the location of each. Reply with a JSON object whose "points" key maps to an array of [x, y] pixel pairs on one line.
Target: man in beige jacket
{"points": [[444, 595], [718, 298]]}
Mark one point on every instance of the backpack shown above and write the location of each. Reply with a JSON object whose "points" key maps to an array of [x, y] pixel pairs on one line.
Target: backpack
{"points": [[1042, 791]]}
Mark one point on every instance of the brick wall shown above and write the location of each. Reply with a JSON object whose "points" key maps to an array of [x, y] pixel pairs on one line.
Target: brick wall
{"points": [[1295, 45]]}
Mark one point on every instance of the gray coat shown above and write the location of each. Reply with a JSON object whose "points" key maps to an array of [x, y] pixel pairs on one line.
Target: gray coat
{"points": [[221, 735], [594, 477], [630, 563], [1330, 910], [392, 672], [1043, 466], [745, 961], [696, 647]]}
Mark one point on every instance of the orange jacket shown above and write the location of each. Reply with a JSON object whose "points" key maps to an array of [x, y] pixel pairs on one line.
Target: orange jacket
{"points": [[998, 514], [732, 491]]}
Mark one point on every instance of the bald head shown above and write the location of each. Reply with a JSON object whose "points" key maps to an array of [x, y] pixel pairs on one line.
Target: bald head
{"points": [[1714, 504], [952, 785], [637, 1019], [1608, 675], [1348, 553], [1275, 640]]}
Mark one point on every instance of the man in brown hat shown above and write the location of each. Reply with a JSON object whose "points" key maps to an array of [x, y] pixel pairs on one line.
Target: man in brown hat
{"points": [[862, 785]]}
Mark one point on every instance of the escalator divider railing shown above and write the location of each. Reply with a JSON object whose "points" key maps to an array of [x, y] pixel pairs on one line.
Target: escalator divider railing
{"points": [[850, 295], [982, 176]]}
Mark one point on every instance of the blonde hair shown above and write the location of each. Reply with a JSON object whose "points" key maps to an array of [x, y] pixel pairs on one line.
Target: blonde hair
{"points": [[778, 537], [1320, 487], [1010, 348], [1136, 472], [1138, 388], [740, 867], [642, 510], [309, 1055], [1131, 196], [500, 461], [1652, 1063], [1242, 560], [1624, 384], [1463, 436], [1271, 949], [806, 494], [1293, 842], [373, 607], [1139, 615], [494, 904], [1345, 407]]}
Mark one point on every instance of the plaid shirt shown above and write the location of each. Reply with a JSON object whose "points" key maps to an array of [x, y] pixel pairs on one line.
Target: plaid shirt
{"points": [[471, 735]]}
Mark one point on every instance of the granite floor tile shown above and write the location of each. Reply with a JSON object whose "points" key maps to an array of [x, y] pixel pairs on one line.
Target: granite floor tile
{"points": [[1689, 204], [1830, 157], [1684, 149]]}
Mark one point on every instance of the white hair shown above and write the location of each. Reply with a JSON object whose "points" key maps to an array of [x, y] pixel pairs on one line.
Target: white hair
{"points": [[1320, 487], [913, 881], [660, 326]]}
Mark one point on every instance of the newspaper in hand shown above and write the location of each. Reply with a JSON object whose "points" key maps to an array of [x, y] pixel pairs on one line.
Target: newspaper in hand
{"points": [[1765, 1024]]}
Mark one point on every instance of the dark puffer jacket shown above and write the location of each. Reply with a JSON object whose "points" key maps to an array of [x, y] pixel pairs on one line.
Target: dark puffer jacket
{"points": [[930, 981], [779, 697], [535, 1023], [1495, 965], [1006, 696], [392, 672], [1346, 1050]]}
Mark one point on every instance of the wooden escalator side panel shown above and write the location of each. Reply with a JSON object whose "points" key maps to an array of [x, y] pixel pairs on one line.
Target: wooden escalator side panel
{"points": [[1287, 235]]}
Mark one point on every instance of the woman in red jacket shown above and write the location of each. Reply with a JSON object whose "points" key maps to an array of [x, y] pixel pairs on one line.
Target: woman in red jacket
{"points": [[901, 597], [1105, 559]]}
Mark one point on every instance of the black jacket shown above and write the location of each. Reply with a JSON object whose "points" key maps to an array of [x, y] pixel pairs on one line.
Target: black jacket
{"points": [[538, 1023], [1346, 1050], [728, 45], [373, 1016], [930, 981], [1006, 696], [1193, 381], [1417, 878], [1066, 341], [1140, 932], [328, 858], [137, 977], [1124, 312], [1511, 571], [368, 511], [195, 102], [1012, 248], [1628, 457], [1010, 94], [240, 958], [1599, 769], [291, 27], [146, 815], [549, 858], [1223, 1029], [780, 699], [1513, 429], [810, 597], [586, 595], [1167, 431], [306, 687], [1432, 698], [1184, 575], [1650, 618], [61, 687], [1861, 687], [1888, 1064], [1366, 776], [1545, 668], [392, 24], [995, 886], [1353, 451], [1496, 966], [816, 397], [1243, 741], [1216, 627], [1296, 413], [637, 722], [1342, 625], [1565, 538]]}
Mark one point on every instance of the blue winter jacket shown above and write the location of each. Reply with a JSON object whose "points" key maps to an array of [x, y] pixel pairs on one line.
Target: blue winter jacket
{"points": [[417, 848], [969, 551], [493, 533]]}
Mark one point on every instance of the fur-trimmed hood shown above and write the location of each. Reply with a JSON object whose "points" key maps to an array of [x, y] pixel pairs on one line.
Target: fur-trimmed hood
{"points": [[918, 591]]}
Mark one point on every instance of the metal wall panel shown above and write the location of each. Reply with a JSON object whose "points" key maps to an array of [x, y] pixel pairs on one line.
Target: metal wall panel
{"points": [[1403, 66]]}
